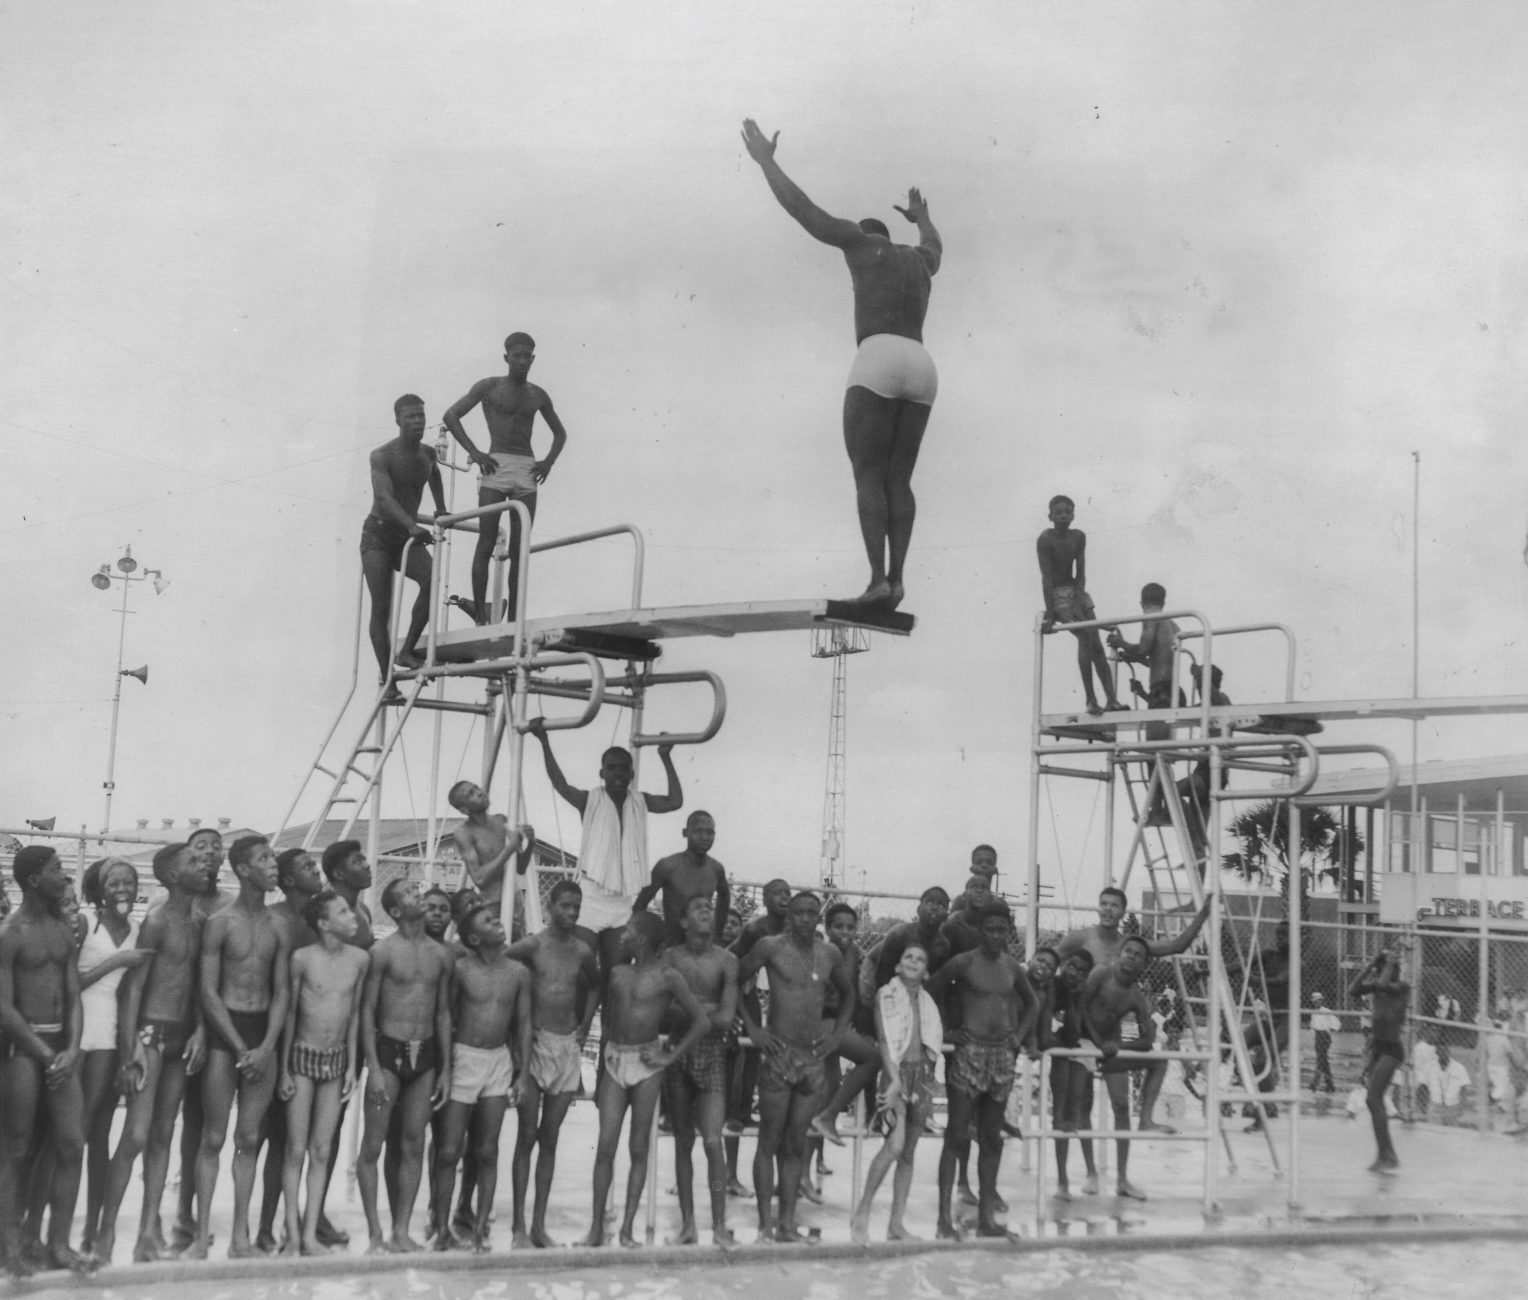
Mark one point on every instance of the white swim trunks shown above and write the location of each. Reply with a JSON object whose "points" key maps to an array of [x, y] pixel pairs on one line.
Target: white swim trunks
{"points": [[895, 367], [478, 1072], [514, 476]]}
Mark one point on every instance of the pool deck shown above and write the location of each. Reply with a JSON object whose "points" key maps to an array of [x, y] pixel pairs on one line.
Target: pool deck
{"points": [[1453, 1184]]}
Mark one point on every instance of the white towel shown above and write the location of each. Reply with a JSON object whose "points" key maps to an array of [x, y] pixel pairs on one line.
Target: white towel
{"points": [[614, 850], [897, 1020]]}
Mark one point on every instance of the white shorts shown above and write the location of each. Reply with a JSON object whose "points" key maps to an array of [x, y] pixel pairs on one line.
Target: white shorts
{"points": [[514, 477], [479, 1072], [895, 367]]}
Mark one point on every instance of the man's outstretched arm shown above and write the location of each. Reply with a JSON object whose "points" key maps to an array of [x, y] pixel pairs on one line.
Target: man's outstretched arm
{"points": [[930, 246], [578, 798], [838, 231]]}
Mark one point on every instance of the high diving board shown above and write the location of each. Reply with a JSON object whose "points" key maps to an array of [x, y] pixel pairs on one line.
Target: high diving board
{"points": [[635, 633], [1298, 716]]}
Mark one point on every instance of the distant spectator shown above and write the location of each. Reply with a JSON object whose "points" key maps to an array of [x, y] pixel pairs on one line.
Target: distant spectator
{"points": [[1323, 1025]]}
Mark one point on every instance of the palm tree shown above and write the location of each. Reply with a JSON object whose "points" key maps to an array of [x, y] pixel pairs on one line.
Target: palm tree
{"points": [[1327, 851]]}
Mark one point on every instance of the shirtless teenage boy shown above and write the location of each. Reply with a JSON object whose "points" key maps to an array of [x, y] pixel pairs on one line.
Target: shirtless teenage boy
{"points": [[244, 981], [892, 383], [993, 1007], [406, 1039], [1381, 980], [490, 996], [563, 1002], [683, 876], [1112, 998], [1062, 552], [40, 1024], [159, 1041], [639, 995], [1071, 1077], [400, 471], [320, 1053], [510, 469], [697, 1081], [487, 843], [793, 1049]]}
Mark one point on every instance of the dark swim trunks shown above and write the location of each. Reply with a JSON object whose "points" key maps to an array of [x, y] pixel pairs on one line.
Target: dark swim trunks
{"points": [[976, 1068], [704, 1066], [251, 1027], [795, 1069], [408, 1060], [379, 535], [167, 1037], [54, 1037]]}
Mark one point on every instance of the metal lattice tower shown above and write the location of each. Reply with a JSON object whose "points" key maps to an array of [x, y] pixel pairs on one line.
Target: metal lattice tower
{"points": [[836, 643]]}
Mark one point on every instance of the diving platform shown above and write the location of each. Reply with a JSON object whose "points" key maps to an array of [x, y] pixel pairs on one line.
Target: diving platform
{"points": [[1295, 717], [636, 633]]}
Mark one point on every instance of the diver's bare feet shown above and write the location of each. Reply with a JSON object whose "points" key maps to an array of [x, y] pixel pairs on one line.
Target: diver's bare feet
{"points": [[540, 1240], [265, 1242], [810, 1192], [859, 1230], [403, 1244], [735, 1188], [480, 1243], [196, 1250], [722, 1236], [521, 1240], [790, 1234], [1090, 1185], [896, 595], [1129, 1190], [627, 1239], [1063, 1191], [1154, 1126], [946, 1231], [297, 1246], [967, 1196], [995, 1230], [1095, 710], [105, 1243], [898, 1232], [595, 1237], [409, 659], [379, 1246], [181, 1236], [686, 1236], [876, 594], [242, 1248]]}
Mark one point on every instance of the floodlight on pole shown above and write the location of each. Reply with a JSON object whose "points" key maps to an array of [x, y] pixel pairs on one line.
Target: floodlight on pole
{"points": [[101, 580]]}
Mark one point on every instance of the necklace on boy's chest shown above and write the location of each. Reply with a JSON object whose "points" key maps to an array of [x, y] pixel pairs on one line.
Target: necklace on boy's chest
{"points": [[805, 969]]}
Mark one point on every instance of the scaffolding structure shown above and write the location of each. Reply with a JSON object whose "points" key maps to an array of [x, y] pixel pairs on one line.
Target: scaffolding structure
{"points": [[1172, 831], [837, 643], [491, 671]]}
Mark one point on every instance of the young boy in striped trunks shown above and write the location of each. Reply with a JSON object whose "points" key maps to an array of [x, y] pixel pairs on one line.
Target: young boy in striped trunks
{"points": [[319, 1054], [1061, 1025]]}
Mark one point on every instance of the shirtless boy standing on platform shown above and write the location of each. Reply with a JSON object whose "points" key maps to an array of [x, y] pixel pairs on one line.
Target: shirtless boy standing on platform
{"points": [[509, 467], [691, 874], [563, 1002], [642, 992], [1062, 551], [794, 1051], [490, 997], [487, 843], [320, 1053], [400, 471], [159, 1041], [1112, 998], [892, 382], [40, 1025], [1381, 980], [994, 1009], [244, 976], [697, 1081], [406, 1038]]}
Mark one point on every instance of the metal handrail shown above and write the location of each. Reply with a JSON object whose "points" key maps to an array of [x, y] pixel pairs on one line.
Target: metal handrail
{"points": [[1239, 628], [718, 711]]}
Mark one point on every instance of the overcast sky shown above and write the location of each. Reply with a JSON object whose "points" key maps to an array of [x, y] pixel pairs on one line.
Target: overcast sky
{"points": [[1215, 270]]}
